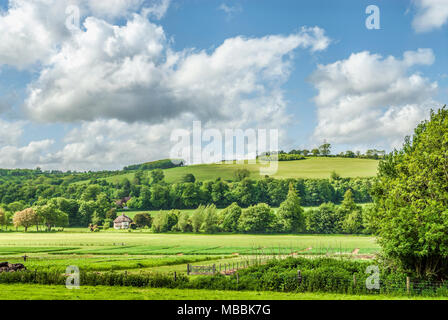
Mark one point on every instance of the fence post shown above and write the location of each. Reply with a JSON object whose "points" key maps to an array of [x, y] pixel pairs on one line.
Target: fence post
{"points": [[214, 269], [299, 277], [354, 280], [175, 276], [408, 285], [237, 280], [188, 269]]}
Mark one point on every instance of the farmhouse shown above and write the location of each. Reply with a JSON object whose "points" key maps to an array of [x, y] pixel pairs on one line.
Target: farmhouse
{"points": [[122, 222]]}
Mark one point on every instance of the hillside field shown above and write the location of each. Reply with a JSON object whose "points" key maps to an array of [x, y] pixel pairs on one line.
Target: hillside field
{"points": [[317, 168]]}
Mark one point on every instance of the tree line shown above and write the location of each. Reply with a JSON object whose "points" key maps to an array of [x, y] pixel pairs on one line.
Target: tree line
{"points": [[93, 204], [290, 217]]}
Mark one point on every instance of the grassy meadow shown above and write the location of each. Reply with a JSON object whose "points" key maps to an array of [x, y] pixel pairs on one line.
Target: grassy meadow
{"points": [[117, 243], [39, 292], [315, 167]]}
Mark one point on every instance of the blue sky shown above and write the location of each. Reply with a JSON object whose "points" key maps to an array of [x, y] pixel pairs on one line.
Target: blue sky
{"points": [[360, 89]]}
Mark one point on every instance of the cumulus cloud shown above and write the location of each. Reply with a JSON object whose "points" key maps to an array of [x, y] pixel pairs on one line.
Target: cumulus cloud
{"points": [[112, 144], [369, 99], [431, 14], [130, 73], [127, 89], [14, 156], [35, 153], [10, 132], [33, 30]]}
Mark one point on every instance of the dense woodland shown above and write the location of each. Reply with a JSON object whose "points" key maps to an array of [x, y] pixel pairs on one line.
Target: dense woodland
{"points": [[89, 202], [55, 198]]}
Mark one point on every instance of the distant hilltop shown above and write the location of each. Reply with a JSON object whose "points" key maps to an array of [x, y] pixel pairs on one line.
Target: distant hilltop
{"points": [[159, 164]]}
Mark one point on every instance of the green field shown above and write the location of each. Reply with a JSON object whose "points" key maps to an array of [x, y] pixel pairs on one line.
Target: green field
{"points": [[145, 253], [146, 243], [310, 168], [38, 292]]}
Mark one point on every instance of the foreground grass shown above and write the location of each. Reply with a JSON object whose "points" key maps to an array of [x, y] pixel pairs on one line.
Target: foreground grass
{"points": [[38, 292]]}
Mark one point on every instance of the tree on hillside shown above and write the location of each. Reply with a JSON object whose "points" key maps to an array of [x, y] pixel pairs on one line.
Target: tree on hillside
{"points": [[325, 219], [255, 219], [184, 222], [210, 222], [165, 221], [291, 214], [145, 198], [241, 174], [86, 212], [91, 193], [51, 216], [143, 220], [71, 208], [157, 176], [411, 200], [348, 205], [3, 218], [188, 178], [25, 218], [325, 149], [197, 218], [229, 217], [315, 152]]}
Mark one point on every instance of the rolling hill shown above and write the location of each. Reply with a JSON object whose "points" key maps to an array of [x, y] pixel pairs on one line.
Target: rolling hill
{"points": [[318, 168]]}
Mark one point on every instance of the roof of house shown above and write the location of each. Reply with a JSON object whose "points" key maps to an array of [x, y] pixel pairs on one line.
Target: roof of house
{"points": [[122, 201], [123, 218]]}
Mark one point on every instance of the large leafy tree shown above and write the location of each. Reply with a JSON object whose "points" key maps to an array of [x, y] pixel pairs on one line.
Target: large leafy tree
{"points": [[411, 198], [143, 220], [291, 214], [51, 216], [325, 219], [3, 218], [229, 217], [25, 219], [255, 219]]}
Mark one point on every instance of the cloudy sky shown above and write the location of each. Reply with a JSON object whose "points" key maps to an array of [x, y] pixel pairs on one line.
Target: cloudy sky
{"points": [[111, 92]]}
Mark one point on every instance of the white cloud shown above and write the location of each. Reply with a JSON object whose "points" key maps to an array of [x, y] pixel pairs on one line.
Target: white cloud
{"points": [[14, 156], [36, 152], [158, 9], [112, 144], [10, 132], [33, 30], [129, 89], [230, 10], [130, 73], [431, 14], [368, 99]]}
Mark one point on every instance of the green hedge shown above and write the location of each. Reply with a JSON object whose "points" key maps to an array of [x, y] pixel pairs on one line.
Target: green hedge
{"points": [[318, 275]]}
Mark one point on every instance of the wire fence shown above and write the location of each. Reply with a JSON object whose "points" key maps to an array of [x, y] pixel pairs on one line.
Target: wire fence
{"points": [[357, 285]]}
